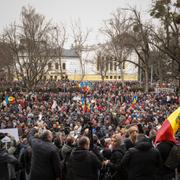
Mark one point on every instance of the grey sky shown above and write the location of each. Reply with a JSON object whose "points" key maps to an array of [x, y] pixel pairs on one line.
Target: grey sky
{"points": [[90, 12]]}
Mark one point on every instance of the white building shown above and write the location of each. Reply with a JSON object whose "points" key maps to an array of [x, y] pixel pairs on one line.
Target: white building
{"points": [[71, 69]]}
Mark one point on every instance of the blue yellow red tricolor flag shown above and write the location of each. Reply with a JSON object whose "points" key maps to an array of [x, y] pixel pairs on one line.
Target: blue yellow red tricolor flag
{"points": [[85, 86], [134, 100], [169, 128], [10, 99]]}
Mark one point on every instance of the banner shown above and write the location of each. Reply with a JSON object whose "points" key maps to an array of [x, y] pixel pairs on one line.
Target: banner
{"points": [[13, 132]]}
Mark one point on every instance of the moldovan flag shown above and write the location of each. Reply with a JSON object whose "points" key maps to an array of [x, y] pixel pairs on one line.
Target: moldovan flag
{"points": [[10, 99], [169, 128], [134, 100]]}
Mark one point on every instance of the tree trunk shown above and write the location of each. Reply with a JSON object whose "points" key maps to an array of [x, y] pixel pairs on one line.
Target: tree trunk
{"points": [[82, 70], [146, 79], [9, 77], [102, 77], [122, 74], [160, 75], [179, 79], [60, 67], [82, 75]]}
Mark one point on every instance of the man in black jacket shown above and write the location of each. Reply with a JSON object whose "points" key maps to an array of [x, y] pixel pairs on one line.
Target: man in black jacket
{"points": [[115, 159], [45, 157], [65, 153], [5, 159], [164, 149], [142, 161], [83, 164]]}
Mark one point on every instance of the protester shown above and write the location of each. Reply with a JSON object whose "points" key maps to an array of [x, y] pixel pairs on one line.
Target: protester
{"points": [[106, 111], [83, 164], [5, 159], [66, 153], [165, 173], [45, 157], [114, 163], [142, 162], [130, 142]]}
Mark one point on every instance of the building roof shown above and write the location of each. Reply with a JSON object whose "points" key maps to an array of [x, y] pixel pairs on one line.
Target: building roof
{"points": [[65, 53], [50, 51], [69, 53]]}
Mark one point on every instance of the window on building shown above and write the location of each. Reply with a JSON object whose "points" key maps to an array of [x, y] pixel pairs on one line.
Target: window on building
{"points": [[51, 78], [119, 77], [115, 66], [56, 66], [106, 77], [123, 65], [44, 78], [98, 63], [49, 66], [107, 66], [55, 78], [111, 66], [107, 63], [111, 77], [101, 64], [64, 66], [115, 77]]}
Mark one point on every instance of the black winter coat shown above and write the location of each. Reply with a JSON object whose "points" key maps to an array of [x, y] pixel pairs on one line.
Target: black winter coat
{"points": [[115, 161], [128, 144], [142, 162], [83, 165], [6, 158], [45, 164], [164, 149]]}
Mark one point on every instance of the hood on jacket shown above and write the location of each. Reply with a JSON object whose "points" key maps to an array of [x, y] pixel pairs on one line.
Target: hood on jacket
{"points": [[66, 148], [79, 154], [143, 146]]}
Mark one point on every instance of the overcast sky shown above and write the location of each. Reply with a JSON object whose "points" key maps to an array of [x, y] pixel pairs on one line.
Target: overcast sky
{"points": [[90, 12]]}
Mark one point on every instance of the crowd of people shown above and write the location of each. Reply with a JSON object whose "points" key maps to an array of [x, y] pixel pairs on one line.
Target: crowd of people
{"points": [[60, 138]]}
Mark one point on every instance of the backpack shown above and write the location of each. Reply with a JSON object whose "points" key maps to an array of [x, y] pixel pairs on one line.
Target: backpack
{"points": [[173, 158]]}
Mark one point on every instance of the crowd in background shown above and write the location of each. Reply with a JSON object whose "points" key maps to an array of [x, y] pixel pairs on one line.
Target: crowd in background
{"points": [[60, 139]]}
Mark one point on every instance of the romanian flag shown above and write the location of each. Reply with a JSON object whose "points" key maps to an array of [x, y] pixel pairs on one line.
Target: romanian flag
{"points": [[169, 128], [134, 100]]}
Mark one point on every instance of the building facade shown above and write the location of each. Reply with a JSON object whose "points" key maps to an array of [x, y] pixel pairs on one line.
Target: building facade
{"points": [[71, 68]]}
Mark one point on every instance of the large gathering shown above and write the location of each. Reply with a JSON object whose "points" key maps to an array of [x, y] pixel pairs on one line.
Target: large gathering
{"points": [[90, 90], [60, 138]]}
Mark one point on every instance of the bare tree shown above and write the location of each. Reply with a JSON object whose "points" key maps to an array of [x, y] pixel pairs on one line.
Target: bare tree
{"points": [[114, 29], [59, 37], [80, 39], [6, 60], [138, 38], [166, 39], [102, 60], [29, 42]]}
